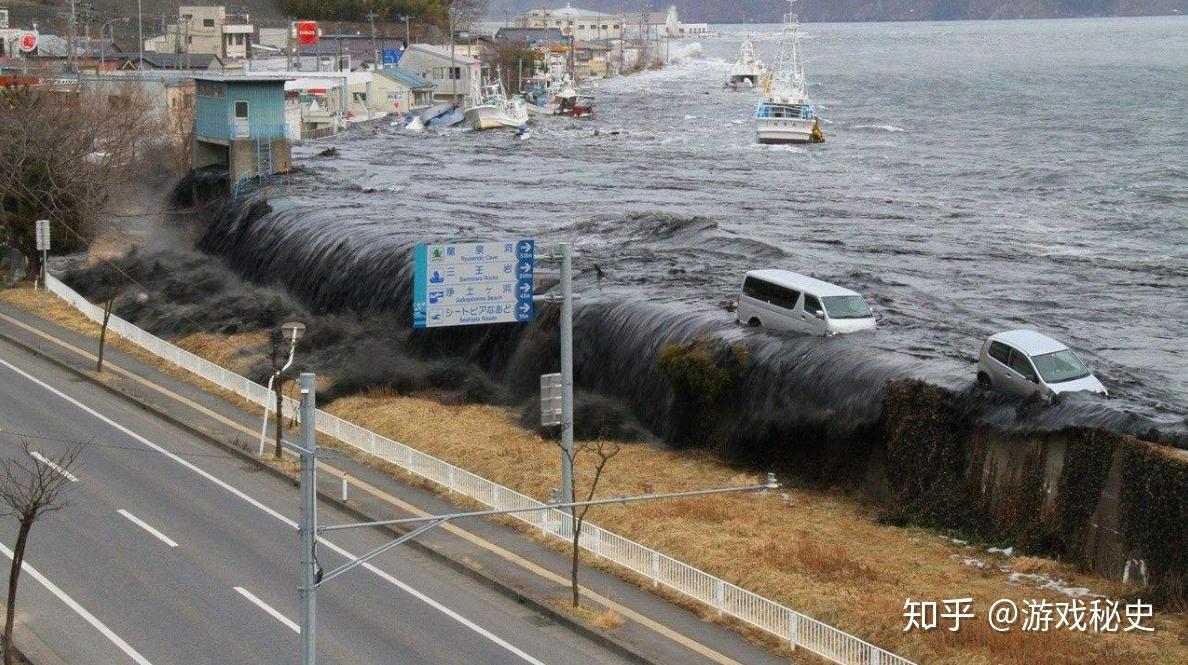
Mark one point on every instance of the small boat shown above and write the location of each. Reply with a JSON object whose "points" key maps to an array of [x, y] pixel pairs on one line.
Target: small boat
{"points": [[785, 115], [495, 109], [747, 69], [448, 118], [416, 124], [569, 102]]}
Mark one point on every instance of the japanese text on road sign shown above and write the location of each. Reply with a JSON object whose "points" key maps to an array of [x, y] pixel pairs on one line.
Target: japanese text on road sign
{"points": [[465, 284]]}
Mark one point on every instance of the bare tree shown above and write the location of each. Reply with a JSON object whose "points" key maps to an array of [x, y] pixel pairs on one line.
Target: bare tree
{"points": [[109, 285], [278, 357], [31, 485], [64, 151], [601, 452]]}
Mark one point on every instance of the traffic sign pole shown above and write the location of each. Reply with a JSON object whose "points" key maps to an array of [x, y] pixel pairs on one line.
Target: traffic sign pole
{"points": [[41, 232], [567, 374]]}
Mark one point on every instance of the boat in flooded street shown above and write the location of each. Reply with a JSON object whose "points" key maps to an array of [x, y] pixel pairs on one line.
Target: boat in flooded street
{"points": [[495, 109]]}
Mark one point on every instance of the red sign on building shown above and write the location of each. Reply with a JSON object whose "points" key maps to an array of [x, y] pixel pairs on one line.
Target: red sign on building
{"points": [[28, 42], [307, 33]]}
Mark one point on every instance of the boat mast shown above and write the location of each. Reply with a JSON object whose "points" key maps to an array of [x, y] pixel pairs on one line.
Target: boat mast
{"points": [[788, 81]]}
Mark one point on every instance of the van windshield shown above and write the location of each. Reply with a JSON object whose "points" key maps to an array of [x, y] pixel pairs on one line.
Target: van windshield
{"points": [[846, 307], [1059, 367]]}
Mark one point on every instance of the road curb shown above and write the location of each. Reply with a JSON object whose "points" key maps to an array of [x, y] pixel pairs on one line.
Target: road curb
{"points": [[541, 607]]}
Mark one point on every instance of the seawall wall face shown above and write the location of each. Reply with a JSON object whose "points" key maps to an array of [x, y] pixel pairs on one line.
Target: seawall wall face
{"points": [[1087, 495]]}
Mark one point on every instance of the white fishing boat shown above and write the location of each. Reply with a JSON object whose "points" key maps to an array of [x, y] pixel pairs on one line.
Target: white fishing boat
{"points": [[786, 115], [747, 69], [494, 109]]}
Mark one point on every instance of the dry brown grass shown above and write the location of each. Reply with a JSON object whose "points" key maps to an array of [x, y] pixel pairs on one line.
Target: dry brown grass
{"points": [[235, 352], [597, 617], [820, 553]]}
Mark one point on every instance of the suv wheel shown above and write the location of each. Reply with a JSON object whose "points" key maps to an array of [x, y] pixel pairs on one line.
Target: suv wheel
{"points": [[984, 381]]}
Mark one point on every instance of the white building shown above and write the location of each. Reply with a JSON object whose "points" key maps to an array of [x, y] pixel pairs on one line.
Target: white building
{"points": [[588, 25], [205, 30], [582, 24]]}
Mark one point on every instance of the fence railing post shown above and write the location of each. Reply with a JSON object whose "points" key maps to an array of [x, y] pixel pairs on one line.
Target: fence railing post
{"points": [[793, 630], [655, 569], [720, 595]]}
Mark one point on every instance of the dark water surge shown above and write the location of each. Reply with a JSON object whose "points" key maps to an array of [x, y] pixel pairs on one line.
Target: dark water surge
{"points": [[976, 177]]}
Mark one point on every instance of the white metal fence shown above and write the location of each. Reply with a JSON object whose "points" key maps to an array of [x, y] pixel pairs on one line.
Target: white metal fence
{"points": [[727, 599]]}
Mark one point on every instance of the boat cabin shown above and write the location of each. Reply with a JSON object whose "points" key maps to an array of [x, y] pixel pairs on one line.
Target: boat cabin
{"points": [[769, 110]]}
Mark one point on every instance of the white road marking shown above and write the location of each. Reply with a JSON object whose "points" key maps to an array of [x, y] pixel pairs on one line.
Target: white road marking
{"points": [[82, 612], [291, 523], [46, 461], [140, 523], [269, 609]]}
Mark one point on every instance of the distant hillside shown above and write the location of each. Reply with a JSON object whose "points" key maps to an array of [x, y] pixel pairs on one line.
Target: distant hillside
{"points": [[770, 11]]}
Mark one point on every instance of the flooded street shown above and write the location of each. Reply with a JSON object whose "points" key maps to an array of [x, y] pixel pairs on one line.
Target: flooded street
{"points": [[932, 195]]}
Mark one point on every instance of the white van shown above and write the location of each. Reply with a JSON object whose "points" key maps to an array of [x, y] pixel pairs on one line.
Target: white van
{"points": [[784, 300]]}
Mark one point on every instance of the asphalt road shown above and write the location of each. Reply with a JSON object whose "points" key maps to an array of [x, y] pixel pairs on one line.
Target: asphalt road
{"points": [[173, 551]]}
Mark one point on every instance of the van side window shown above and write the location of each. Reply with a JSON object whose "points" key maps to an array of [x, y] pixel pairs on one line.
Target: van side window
{"points": [[753, 288], [1022, 365], [1000, 352], [812, 305], [770, 293], [784, 297]]}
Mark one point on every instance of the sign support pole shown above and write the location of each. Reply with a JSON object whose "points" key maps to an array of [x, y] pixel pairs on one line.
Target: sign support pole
{"points": [[309, 521], [567, 495]]}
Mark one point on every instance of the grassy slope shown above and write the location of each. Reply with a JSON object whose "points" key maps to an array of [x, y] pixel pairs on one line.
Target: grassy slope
{"points": [[820, 553]]}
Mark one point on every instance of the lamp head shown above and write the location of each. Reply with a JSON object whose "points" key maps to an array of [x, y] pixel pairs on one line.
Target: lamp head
{"points": [[293, 330]]}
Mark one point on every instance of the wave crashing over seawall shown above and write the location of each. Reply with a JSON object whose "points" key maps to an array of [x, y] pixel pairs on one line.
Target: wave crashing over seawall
{"points": [[798, 398]]}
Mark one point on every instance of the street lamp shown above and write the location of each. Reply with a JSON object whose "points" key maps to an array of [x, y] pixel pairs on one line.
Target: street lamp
{"points": [[292, 331]]}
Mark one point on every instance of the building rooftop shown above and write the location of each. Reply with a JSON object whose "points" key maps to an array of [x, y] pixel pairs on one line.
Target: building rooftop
{"points": [[444, 52], [568, 11], [529, 34], [407, 78], [240, 78]]}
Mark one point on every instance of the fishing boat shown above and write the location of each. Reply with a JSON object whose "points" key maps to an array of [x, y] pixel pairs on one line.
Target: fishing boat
{"points": [[747, 69], [786, 115], [551, 91], [570, 102], [494, 109]]}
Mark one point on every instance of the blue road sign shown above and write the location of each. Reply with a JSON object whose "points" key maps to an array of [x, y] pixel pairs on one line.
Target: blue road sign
{"points": [[465, 284]]}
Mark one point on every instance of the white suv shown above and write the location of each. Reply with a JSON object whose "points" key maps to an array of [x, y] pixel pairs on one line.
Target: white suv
{"points": [[1027, 363]]}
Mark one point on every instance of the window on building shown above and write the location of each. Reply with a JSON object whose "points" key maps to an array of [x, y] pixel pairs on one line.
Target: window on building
{"points": [[581, 27], [616, 26], [208, 22], [241, 109], [189, 39]]}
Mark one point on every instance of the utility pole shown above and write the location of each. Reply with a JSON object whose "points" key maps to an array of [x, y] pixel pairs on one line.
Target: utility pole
{"points": [[375, 49], [454, 69], [139, 34], [70, 38], [308, 529], [567, 373]]}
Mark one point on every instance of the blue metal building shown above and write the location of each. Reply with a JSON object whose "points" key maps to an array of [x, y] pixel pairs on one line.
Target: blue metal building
{"points": [[239, 121]]}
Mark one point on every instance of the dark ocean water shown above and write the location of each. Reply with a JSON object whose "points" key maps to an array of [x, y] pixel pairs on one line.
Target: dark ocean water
{"points": [[977, 176]]}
